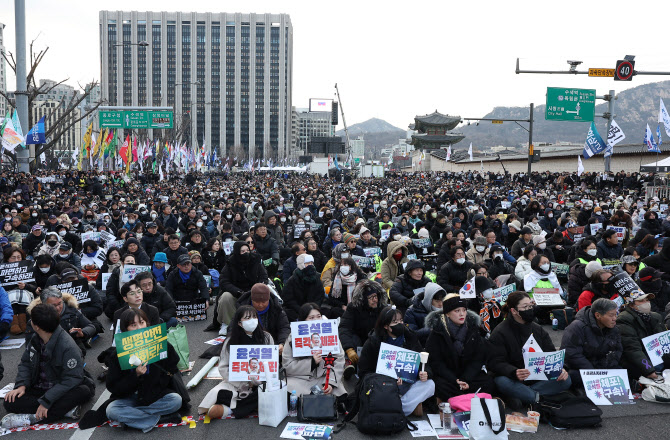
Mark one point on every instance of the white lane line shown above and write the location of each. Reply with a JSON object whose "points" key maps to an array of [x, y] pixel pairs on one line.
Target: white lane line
{"points": [[85, 434]]}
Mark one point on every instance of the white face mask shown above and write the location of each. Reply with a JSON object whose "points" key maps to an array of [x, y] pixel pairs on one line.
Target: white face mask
{"points": [[487, 294], [308, 218], [199, 224], [397, 237], [592, 252], [460, 261], [62, 233], [480, 248], [644, 307], [497, 257], [545, 267], [45, 269], [34, 214], [550, 215], [250, 325], [344, 270], [343, 256], [154, 215], [282, 219], [542, 245]]}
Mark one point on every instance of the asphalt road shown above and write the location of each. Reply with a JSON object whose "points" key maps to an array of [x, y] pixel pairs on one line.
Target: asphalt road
{"points": [[638, 421]]}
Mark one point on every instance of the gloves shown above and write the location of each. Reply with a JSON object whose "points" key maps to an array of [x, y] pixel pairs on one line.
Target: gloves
{"points": [[4, 329], [351, 354]]}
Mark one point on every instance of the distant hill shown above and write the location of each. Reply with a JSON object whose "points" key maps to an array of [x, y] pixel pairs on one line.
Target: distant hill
{"points": [[633, 109], [377, 132]]}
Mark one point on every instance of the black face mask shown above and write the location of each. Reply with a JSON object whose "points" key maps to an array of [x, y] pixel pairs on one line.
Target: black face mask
{"points": [[309, 270], [245, 257], [655, 285], [52, 243], [398, 330], [527, 315]]}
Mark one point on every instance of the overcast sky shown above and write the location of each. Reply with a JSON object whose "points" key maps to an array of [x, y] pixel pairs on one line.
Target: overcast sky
{"points": [[395, 59]]}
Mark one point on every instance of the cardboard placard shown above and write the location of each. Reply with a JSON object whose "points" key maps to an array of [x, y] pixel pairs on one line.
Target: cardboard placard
{"points": [[149, 344], [544, 366], [130, 271], [18, 272], [247, 362], [620, 232], [76, 288], [188, 311], [607, 387], [398, 362], [500, 294], [372, 251], [363, 262], [315, 337], [657, 345]]}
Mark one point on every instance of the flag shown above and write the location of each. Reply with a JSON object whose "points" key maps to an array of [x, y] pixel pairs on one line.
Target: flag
{"points": [[649, 141], [580, 166], [470, 151], [594, 143], [481, 165], [123, 152], [10, 138], [134, 152], [449, 153], [87, 141], [337, 165], [96, 148], [110, 143], [658, 134], [36, 134], [664, 118], [468, 289], [17, 128], [614, 136]]}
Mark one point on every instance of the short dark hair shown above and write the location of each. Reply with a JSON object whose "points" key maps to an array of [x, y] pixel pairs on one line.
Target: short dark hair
{"points": [[453, 250], [143, 276], [608, 234], [385, 318], [296, 247], [128, 317], [126, 287], [173, 237], [46, 317]]}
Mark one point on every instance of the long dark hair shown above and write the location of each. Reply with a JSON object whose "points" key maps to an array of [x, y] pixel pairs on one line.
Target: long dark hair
{"points": [[237, 335], [128, 317], [386, 316], [306, 309], [513, 301]]}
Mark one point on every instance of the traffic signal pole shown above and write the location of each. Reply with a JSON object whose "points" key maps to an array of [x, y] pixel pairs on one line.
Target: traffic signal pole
{"points": [[610, 118], [530, 138]]}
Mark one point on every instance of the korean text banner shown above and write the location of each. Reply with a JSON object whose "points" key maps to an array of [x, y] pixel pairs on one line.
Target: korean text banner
{"points": [[310, 337], [18, 272], [188, 311], [148, 344], [247, 362], [76, 288], [544, 366], [398, 362], [657, 345], [129, 272], [606, 387]]}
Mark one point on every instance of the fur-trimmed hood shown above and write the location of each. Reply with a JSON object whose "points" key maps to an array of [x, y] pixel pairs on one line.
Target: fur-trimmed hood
{"points": [[68, 299], [436, 321], [358, 297]]}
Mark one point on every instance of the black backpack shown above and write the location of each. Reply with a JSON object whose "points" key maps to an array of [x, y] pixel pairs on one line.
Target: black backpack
{"points": [[378, 407], [567, 411]]}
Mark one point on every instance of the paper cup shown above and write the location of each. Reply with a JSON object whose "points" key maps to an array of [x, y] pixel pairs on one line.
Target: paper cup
{"points": [[535, 416], [424, 357]]}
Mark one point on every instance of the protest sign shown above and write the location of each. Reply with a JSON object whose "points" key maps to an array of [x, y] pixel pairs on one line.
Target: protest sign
{"points": [[411, 256], [544, 366], [385, 234], [312, 337], [208, 280], [607, 387], [561, 270], [247, 362], [228, 247], [107, 237], [92, 235], [76, 288], [610, 264], [363, 262], [505, 204], [657, 345], [547, 297], [421, 243], [105, 279], [117, 244], [298, 228], [129, 272], [17, 272], [620, 232], [372, 251], [398, 362], [188, 311], [148, 344], [595, 227], [302, 431], [579, 234], [623, 284], [500, 294]]}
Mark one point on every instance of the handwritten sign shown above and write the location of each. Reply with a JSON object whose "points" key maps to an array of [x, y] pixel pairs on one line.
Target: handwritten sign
{"points": [[544, 366], [372, 251], [189, 311], [607, 387], [76, 288], [422, 243], [620, 232], [398, 362], [561, 270], [500, 294], [247, 362], [148, 344], [657, 345], [129, 272], [17, 272], [315, 337]]}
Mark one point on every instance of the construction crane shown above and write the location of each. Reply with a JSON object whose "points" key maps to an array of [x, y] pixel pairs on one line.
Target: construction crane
{"points": [[347, 151]]}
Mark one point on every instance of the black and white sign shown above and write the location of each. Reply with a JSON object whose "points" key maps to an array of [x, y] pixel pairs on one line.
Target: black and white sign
{"points": [[76, 288], [188, 311], [19, 272]]}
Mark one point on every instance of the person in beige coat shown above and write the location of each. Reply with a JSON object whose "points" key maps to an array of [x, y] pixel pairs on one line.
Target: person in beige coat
{"points": [[302, 373], [227, 397], [478, 253], [396, 255]]}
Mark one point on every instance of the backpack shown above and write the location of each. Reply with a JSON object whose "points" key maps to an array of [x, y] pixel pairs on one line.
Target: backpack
{"points": [[567, 411], [378, 407]]}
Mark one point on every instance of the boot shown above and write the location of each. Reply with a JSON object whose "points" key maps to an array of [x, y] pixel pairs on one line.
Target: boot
{"points": [[15, 329], [23, 321]]}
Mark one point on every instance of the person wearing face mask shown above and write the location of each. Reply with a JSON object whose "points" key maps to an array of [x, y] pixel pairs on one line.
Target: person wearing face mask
{"points": [[390, 329], [651, 281], [65, 235], [339, 285], [411, 283], [599, 287], [540, 244], [548, 222], [457, 350], [392, 265], [541, 277], [65, 253], [44, 268], [577, 278], [237, 398], [430, 300], [637, 321], [479, 252], [50, 245], [497, 264], [487, 307], [509, 341], [559, 247], [302, 287], [454, 273], [271, 316]]}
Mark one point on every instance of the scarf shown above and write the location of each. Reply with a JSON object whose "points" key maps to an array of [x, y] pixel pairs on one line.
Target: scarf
{"points": [[159, 273], [489, 308], [349, 281], [184, 276], [397, 342], [458, 334]]}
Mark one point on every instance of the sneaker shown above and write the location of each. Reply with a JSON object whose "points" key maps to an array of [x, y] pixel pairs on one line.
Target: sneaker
{"points": [[17, 420], [74, 413], [223, 331], [170, 418]]}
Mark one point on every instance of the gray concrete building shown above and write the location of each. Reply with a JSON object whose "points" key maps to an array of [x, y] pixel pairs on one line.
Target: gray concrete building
{"points": [[228, 75], [312, 124], [4, 105]]}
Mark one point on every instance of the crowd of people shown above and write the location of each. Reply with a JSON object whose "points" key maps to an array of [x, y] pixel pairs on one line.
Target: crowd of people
{"points": [[386, 257]]}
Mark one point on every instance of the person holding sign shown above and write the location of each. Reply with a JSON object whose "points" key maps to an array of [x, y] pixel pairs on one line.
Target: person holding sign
{"points": [[600, 287], [541, 277], [509, 342], [430, 300], [187, 283], [636, 322], [302, 373], [457, 350], [142, 397], [302, 287], [114, 284], [236, 398], [391, 329]]}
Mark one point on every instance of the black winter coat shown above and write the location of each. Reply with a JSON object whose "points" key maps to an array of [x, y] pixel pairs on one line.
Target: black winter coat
{"points": [[238, 277], [274, 321], [161, 299], [359, 319], [194, 288], [367, 362], [404, 289], [587, 346], [660, 261], [298, 291], [452, 276], [149, 241], [633, 329], [415, 318], [214, 260]]}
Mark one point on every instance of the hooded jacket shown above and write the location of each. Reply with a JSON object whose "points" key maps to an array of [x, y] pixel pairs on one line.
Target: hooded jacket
{"points": [[587, 346], [301, 289], [71, 317], [194, 288], [389, 270], [422, 305], [359, 319], [238, 277], [452, 276], [267, 247], [405, 287], [275, 231]]}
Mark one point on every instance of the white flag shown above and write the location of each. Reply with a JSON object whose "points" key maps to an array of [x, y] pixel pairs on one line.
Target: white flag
{"points": [[468, 290], [664, 118], [449, 153], [615, 135], [470, 151], [481, 165], [580, 166]]}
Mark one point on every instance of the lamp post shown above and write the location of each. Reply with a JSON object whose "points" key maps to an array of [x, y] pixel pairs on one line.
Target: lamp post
{"points": [[174, 103]]}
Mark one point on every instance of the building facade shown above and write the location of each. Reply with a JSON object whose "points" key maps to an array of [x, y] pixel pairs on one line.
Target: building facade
{"points": [[357, 147], [4, 105], [313, 124], [228, 75]]}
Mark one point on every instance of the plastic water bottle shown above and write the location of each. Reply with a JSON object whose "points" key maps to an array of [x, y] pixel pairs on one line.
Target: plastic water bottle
{"points": [[293, 410], [554, 324]]}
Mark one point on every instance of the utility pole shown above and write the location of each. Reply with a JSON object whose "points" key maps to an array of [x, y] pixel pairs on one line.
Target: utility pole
{"points": [[23, 155], [610, 117], [530, 138]]}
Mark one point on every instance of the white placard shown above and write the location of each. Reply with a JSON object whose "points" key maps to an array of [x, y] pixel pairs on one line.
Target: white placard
{"points": [[247, 362], [607, 387], [318, 336]]}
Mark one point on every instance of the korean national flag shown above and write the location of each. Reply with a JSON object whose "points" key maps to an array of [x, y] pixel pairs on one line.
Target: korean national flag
{"points": [[594, 143]]}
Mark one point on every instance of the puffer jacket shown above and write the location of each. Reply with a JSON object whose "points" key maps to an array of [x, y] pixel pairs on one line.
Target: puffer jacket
{"points": [[452, 276], [405, 289], [660, 261], [274, 321], [71, 317], [359, 319], [238, 277], [633, 329], [301, 289], [389, 270], [587, 346]]}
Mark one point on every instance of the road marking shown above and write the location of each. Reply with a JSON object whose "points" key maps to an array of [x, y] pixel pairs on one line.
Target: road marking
{"points": [[85, 434]]}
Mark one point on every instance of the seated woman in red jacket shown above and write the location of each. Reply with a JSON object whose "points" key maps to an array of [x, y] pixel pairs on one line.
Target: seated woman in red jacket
{"points": [[599, 287]]}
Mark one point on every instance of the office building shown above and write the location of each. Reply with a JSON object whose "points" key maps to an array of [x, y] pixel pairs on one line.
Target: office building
{"points": [[357, 147], [4, 106], [312, 124], [228, 75]]}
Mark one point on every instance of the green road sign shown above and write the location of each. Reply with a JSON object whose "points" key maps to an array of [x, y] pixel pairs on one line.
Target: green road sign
{"points": [[577, 105], [136, 119]]}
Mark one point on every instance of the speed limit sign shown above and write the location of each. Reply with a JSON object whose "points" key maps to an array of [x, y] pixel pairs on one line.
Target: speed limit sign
{"points": [[624, 70]]}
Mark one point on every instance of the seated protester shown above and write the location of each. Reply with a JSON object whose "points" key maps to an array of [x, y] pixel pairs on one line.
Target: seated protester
{"points": [[187, 283], [392, 264], [630, 265], [577, 279], [132, 247], [150, 238], [439, 228], [51, 382], [636, 322], [541, 276], [291, 264], [302, 287], [320, 259], [267, 248], [174, 250], [72, 319], [158, 269], [90, 264], [196, 241], [422, 304], [162, 244], [454, 273], [134, 298], [339, 289], [409, 285], [92, 307], [390, 329], [592, 340], [558, 247], [523, 264], [359, 319], [50, 245], [457, 350], [497, 265], [479, 252], [507, 363], [196, 261], [242, 272], [271, 315], [350, 242], [213, 255], [329, 269], [599, 287], [651, 281], [608, 247], [32, 243], [45, 266], [540, 243], [113, 292], [302, 373], [236, 398], [65, 253], [112, 261], [366, 240], [525, 239], [156, 295], [487, 307], [142, 397], [19, 294]]}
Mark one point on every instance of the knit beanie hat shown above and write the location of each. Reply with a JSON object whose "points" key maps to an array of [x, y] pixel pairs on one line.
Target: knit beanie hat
{"points": [[260, 293]]}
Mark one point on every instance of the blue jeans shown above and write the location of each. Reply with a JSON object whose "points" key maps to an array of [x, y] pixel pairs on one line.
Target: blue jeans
{"points": [[530, 393], [129, 411], [172, 322]]}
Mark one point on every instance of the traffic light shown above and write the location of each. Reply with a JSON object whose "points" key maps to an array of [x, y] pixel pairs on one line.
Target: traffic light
{"points": [[624, 70]]}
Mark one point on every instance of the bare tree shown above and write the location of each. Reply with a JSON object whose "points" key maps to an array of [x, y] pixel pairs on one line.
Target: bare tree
{"points": [[62, 117]]}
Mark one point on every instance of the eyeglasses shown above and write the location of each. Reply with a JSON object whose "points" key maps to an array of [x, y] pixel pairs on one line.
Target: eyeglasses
{"points": [[249, 242], [134, 292], [528, 307]]}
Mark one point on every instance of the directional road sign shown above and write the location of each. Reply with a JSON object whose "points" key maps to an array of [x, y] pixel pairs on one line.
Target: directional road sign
{"points": [[577, 105]]}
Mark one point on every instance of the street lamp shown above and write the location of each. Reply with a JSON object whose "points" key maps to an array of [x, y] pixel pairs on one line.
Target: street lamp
{"points": [[174, 103]]}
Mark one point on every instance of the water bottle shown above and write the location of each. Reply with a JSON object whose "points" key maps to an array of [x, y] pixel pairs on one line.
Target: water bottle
{"points": [[554, 324], [293, 411]]}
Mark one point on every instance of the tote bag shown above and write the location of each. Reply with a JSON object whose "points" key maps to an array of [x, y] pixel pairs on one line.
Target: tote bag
{"points": [[487, 419], [272, 405]]}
